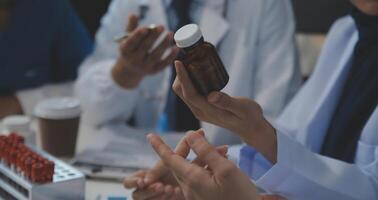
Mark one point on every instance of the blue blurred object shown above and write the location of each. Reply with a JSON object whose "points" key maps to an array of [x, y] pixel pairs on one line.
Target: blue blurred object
{"points": [[117, 198], [44, 42]]}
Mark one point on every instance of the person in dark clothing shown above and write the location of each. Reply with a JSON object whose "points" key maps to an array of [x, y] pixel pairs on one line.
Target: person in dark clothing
{"points": [[42, 43]]}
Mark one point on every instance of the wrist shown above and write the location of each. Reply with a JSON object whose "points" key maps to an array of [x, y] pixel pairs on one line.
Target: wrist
{"points": [[264, 139], [124, 77]]}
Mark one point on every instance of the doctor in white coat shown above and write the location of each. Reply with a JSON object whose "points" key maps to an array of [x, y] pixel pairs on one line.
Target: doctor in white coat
{"points": [[291, 158], [255, 41]]}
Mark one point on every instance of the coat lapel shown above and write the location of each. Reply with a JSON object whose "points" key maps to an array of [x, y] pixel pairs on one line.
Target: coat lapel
{"points": [[213, 25], [156, 13], [320, 119]]}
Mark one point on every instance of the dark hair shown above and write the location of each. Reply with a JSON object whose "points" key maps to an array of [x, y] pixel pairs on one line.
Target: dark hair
{"points": [[7, 3]]}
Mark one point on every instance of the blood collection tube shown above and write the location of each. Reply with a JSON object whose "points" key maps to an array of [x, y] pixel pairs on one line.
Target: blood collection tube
{"points": [[17, 138], [28, 166], [37, 172], [49, 169], [13, 156], [32, 165], [6, 154], [2, 148]]}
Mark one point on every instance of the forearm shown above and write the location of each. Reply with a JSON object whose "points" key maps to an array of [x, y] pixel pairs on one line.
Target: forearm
{"points": [[9, 105]]}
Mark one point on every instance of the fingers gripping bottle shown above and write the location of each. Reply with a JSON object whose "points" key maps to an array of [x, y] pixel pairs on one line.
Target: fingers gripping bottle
{"points": [[201, 60]]}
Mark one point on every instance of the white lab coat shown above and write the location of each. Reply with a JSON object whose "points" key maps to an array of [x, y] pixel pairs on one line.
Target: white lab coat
{"points": [[257, 48], [301, 173]]}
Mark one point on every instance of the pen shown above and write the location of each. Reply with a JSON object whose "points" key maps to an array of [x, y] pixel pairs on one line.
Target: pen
{"points": [[119, 38]]}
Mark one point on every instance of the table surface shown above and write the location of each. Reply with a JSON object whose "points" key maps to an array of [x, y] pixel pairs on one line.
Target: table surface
{"points": [[95, 189], [102, 190], [98, 189]]}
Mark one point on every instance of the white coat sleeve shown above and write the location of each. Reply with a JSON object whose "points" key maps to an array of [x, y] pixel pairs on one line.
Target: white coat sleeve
{"points": [[31, 97], [302, 174], [102, 100], [277, 74]]}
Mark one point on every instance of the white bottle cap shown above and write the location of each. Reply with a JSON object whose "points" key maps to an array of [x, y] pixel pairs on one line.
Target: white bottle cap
{"points": [[187, 35], [58, 108], [17, 123]]}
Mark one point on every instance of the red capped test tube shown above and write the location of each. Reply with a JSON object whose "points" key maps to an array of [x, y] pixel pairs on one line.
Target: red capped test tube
{"points": [[34, 166], [37, 173]]}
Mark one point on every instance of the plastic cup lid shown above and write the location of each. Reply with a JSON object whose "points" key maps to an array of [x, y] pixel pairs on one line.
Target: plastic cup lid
{"points": [[187, 35], [58, 108], [17, 122]]}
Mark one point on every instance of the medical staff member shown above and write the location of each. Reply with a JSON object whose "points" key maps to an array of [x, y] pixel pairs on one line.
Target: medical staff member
{"points": [[324, 145], [122, 82], [42, 43]]}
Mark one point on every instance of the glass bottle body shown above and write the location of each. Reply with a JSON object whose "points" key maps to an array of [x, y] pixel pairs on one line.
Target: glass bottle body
{"points": [[205, 68]]}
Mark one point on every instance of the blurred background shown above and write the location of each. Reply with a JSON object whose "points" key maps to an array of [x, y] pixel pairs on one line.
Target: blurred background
{"points": [[311, 27], [71, 27]]}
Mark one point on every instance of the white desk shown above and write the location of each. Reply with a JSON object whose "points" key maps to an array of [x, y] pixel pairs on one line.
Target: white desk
{"points": [[100, 190]]}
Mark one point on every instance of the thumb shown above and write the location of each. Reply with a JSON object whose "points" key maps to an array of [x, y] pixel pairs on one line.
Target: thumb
{"points": [[225, 102], [132, 23]]}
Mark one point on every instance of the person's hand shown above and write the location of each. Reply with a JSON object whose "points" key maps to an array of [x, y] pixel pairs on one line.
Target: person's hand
{"points": [[159, 182], [135, 60], [213, 177], [240, 115], [9, 105], [164, 188]]}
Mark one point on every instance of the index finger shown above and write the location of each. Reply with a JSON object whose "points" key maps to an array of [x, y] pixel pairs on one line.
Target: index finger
{"points": [[223, 101], [207, 153], [132, 23], [133, 41], [176, 163]]}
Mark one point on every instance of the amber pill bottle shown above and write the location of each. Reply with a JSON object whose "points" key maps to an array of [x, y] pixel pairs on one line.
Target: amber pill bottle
{"points": [[201, 60]]}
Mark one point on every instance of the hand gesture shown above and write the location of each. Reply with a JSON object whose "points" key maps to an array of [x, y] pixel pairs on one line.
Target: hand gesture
{"points": [[212, 177], [240, 115], [137, 59], [159, 182]]}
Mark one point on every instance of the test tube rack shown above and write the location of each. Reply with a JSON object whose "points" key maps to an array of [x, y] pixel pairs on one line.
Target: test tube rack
{"points": [[56, 180]]}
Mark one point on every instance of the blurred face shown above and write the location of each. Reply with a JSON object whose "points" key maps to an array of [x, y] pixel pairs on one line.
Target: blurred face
{"points": [[369, 7], [5, 8], [4, 17]]}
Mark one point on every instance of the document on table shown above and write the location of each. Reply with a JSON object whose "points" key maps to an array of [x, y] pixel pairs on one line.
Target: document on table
{"points": [[119, 150]]}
